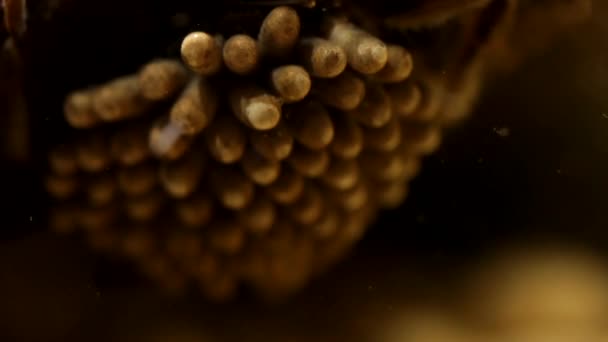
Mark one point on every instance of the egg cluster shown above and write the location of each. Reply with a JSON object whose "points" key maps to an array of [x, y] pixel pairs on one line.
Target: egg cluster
{"points": [[256, 159]]}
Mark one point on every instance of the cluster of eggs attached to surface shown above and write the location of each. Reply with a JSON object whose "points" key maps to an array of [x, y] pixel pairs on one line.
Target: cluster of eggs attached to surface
{"points": [[256, 160]]}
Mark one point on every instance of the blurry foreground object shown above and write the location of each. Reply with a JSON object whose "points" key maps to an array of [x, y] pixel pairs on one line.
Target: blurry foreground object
{"points": [[543, 293], [533, 292], [14, 119], [262, 155]]}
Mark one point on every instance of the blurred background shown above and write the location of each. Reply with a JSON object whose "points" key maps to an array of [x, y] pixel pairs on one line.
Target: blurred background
{"points": [[502, 238]]}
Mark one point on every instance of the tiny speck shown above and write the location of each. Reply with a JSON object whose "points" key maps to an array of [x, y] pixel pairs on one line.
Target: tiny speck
{"points": [[502, 131], [31, 218], [605, 115], [559, 171], [370, 288]]}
